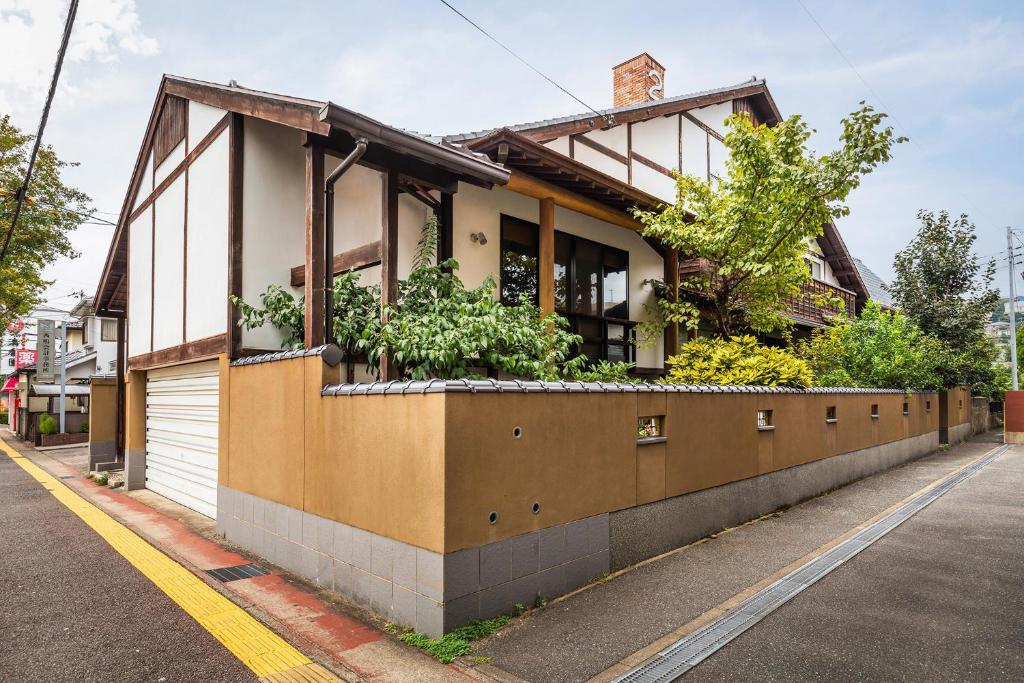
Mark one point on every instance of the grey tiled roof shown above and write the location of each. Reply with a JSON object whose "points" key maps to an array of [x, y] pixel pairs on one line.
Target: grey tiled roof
{"points": [[875, 285], [331, 355], [491, 386], [603, 112]]}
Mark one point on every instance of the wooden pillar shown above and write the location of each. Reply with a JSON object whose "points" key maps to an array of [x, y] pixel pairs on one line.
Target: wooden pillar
{"points": [[672, 284], [445, 225], [314, 285], [236, 160], [389, 259], [546, 255], [122, 343]]}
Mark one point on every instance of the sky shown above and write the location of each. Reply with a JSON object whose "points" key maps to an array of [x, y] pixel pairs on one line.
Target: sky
{"points": [[950, 74]]}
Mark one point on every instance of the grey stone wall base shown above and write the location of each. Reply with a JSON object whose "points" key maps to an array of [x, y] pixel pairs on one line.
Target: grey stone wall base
{"points": [[648, 530], [135, 470], [960, 433], [424, 590], [101, 452]]}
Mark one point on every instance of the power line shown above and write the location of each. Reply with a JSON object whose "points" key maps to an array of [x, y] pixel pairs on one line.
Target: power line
{"points": [[23, 190], [607, 117]]}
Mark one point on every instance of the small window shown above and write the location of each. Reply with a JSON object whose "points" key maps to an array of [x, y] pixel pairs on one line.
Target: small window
{"points": [[906, 408], [874, 411], [764, 420], [830, 415], [519, 261], [927, 405], [650, 429], [108, 330], [960, 403]]}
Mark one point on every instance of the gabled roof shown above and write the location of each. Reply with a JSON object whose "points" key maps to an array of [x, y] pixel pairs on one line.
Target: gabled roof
{"points": [[756, 89], [874, 284], [833, 248], [316, 117]]}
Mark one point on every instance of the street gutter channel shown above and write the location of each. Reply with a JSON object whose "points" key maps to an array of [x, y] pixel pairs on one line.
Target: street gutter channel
{"points": [[686, 653]]}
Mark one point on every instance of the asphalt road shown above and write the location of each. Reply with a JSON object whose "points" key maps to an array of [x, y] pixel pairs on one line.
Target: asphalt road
{"points": [[72, 609], [575, 639], [940, 598]]}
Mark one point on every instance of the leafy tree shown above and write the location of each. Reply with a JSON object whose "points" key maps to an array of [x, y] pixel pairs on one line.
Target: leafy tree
{"points": [[750, 229], [943, 287], [51, 211], [878, 349], [738, 360]]}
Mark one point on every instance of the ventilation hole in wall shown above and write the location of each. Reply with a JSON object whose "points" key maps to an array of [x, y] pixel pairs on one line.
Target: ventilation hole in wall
{"points": [[517, 432], [536, 508], [906, 408], [493, 518]]}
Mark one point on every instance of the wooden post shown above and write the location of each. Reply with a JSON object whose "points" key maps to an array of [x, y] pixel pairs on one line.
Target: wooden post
{"points": [[236, 151], [445, 224], [546, 256], [314, 285], [672, 284], [389, 259]]}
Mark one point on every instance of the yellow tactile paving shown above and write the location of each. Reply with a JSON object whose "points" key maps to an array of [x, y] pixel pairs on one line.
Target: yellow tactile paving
{"points": [[259, 648]]}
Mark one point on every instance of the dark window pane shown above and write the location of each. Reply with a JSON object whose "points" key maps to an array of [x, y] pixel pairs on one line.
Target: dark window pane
{"points": [[616, 332], [518, 261], [617, 353], [588, 274], [615, 303], [563, 256], [592, 350]]}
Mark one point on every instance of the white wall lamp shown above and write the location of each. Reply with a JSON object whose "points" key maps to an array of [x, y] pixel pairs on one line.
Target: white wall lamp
{"points": [[479, 238]]}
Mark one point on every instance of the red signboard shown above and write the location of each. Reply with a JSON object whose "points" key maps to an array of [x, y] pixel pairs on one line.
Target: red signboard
{"points": [[23, 357]]}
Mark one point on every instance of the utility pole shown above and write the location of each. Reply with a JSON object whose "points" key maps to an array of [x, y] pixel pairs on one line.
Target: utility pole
{"points": [[64, 369], [1013, 308]]}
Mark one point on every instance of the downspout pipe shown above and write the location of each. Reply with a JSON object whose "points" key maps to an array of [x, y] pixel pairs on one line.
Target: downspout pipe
{"points": [[354, 156]]}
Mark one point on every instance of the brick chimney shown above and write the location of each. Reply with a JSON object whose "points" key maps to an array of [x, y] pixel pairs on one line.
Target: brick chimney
{"points": [[640, 79]]}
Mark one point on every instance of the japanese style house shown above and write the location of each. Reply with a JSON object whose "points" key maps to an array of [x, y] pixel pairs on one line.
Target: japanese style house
{"points": [[229, 195]]}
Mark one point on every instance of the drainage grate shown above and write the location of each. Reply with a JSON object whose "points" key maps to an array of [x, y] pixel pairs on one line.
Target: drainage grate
{"points": [[686, 653], [68, 476], [242, 571]]}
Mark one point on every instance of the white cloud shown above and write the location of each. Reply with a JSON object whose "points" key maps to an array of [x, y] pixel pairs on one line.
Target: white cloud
{"points": [[31, 30]]}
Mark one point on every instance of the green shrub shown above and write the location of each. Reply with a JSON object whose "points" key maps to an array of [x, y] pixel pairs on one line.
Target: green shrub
{"points": [[451, 645], [85, 427], [603, 371], [47, 425], [3, 417], [879, 349], [738, 360]]}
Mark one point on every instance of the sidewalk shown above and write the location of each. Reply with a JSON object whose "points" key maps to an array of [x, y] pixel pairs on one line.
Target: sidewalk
{"points": [[318, 624], [590, 634]]}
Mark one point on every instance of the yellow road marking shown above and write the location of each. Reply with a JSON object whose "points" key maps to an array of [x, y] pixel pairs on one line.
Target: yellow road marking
{"points": [[259, 648]]}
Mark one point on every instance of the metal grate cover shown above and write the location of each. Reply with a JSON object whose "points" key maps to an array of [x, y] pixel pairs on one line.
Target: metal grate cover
{"points": [[242, 571], [686, 653]]}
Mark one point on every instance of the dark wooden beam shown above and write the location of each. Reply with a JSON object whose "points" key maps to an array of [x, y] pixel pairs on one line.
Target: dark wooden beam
{"points": [[389, 261], [314, 282], [366, 256], [703, 126], [236, 162], [671, 259], [598, 147], [445, 228], [653, 165], [201, 348], [292, 114]]}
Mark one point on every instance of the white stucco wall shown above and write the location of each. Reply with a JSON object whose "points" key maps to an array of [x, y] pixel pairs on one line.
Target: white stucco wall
{"points": [[207, 242], [614, 139], [169, 266], [140, 283], [560, 145], [176, 156], [714, 116], [273, 216], [146, 183], [201, 120], [695, 150]]}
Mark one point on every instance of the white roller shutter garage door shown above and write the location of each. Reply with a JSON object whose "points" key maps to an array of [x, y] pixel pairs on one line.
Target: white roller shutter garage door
{"points": [[181, 434]]}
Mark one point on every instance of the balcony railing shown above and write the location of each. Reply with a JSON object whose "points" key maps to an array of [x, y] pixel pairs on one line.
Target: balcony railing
{"points": [[809, 306]]}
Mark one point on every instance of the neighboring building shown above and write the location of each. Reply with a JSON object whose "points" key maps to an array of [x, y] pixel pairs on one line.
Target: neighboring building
{"points": [[876, 287], [228, 196]]}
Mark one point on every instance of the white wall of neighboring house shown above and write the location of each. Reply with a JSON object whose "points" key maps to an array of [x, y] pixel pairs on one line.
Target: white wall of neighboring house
{"points": [[169, 265], [206, 307], [140, 284]]}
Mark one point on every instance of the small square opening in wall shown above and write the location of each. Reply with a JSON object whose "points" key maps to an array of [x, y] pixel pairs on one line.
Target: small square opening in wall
{"points": [[960, 403], [906, 408], [928, 405], [650, 429], [765, 421], [874, 411], [830, 415]]}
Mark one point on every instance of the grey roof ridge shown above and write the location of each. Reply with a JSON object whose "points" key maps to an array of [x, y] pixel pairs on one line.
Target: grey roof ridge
{"points": [[457, 137]]}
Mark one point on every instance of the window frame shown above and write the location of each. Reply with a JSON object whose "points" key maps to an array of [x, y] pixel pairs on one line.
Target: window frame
{"points": [[103, 334], [504, 220]]}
